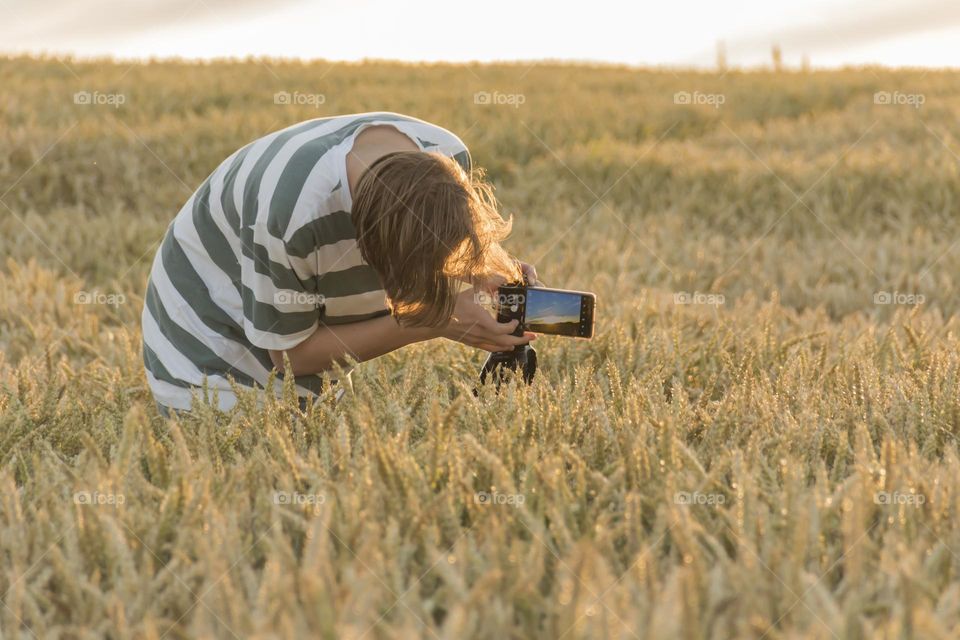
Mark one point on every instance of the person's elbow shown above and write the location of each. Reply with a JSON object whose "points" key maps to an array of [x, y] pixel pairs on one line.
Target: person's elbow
{"points": [[276, 357], [298, 365], [294, 364]]}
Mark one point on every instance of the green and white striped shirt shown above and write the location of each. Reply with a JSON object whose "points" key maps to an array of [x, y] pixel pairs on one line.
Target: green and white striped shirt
{"points": [[260, 255]]}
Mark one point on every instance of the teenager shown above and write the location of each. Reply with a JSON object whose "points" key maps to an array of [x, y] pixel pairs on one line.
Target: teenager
{"points": [[349, 236]]}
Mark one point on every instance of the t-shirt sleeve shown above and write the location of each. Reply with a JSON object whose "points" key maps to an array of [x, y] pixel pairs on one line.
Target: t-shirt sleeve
{"points": [[435, 139], [454, 148], [462, 158], [281, 307]]}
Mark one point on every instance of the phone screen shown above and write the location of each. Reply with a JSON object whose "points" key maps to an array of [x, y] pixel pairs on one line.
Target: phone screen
{"points": [[554, 312]]}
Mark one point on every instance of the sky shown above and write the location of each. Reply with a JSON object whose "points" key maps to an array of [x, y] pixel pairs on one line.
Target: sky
{"points": [[547, 307], [677, 34]]}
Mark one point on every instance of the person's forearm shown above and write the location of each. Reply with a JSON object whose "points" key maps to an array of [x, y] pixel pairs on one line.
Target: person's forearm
{"points": [[358, 340]]}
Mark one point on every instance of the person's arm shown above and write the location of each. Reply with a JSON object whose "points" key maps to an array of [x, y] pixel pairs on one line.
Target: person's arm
{"points": [[471, 325], [359, 340]]}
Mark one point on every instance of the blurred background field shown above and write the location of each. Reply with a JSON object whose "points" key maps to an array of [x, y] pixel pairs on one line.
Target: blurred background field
{"points": [[761, 441]]}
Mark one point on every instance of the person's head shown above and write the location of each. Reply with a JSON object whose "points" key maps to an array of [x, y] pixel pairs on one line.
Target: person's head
{"points": [[425, 226]]}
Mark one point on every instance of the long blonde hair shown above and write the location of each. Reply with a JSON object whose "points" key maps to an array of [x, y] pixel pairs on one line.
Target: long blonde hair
{"points": [[425, 225]]}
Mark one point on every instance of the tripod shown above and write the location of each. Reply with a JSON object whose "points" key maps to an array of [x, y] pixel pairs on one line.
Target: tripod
{"points": [[502, 365]]}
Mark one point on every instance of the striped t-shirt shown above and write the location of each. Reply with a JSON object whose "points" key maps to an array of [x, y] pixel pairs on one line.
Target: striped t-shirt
{"points": [[262, 254]]}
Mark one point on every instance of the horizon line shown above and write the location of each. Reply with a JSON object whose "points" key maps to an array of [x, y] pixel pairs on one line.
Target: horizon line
{"points": [[531, 62]]}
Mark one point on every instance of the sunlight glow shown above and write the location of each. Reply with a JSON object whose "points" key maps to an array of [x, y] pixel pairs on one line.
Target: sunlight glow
{"points": [[828, 34]]}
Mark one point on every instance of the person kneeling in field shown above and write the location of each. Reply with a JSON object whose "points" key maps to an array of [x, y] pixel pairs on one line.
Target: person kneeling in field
{"points": [[343, 237]]}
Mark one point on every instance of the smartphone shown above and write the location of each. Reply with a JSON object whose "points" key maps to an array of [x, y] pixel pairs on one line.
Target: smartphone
{"points": [[551, 311]]}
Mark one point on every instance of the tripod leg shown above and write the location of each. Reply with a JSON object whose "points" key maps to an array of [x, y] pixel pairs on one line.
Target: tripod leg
{"points": [[529, 364]]}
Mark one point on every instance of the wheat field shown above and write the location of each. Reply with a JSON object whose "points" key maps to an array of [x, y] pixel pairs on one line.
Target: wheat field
{"points": [[760, 441]]}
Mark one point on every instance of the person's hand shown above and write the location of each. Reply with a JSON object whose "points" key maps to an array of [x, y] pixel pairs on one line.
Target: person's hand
{"points": [[530, 272], [473, 326], [490, 283]]}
